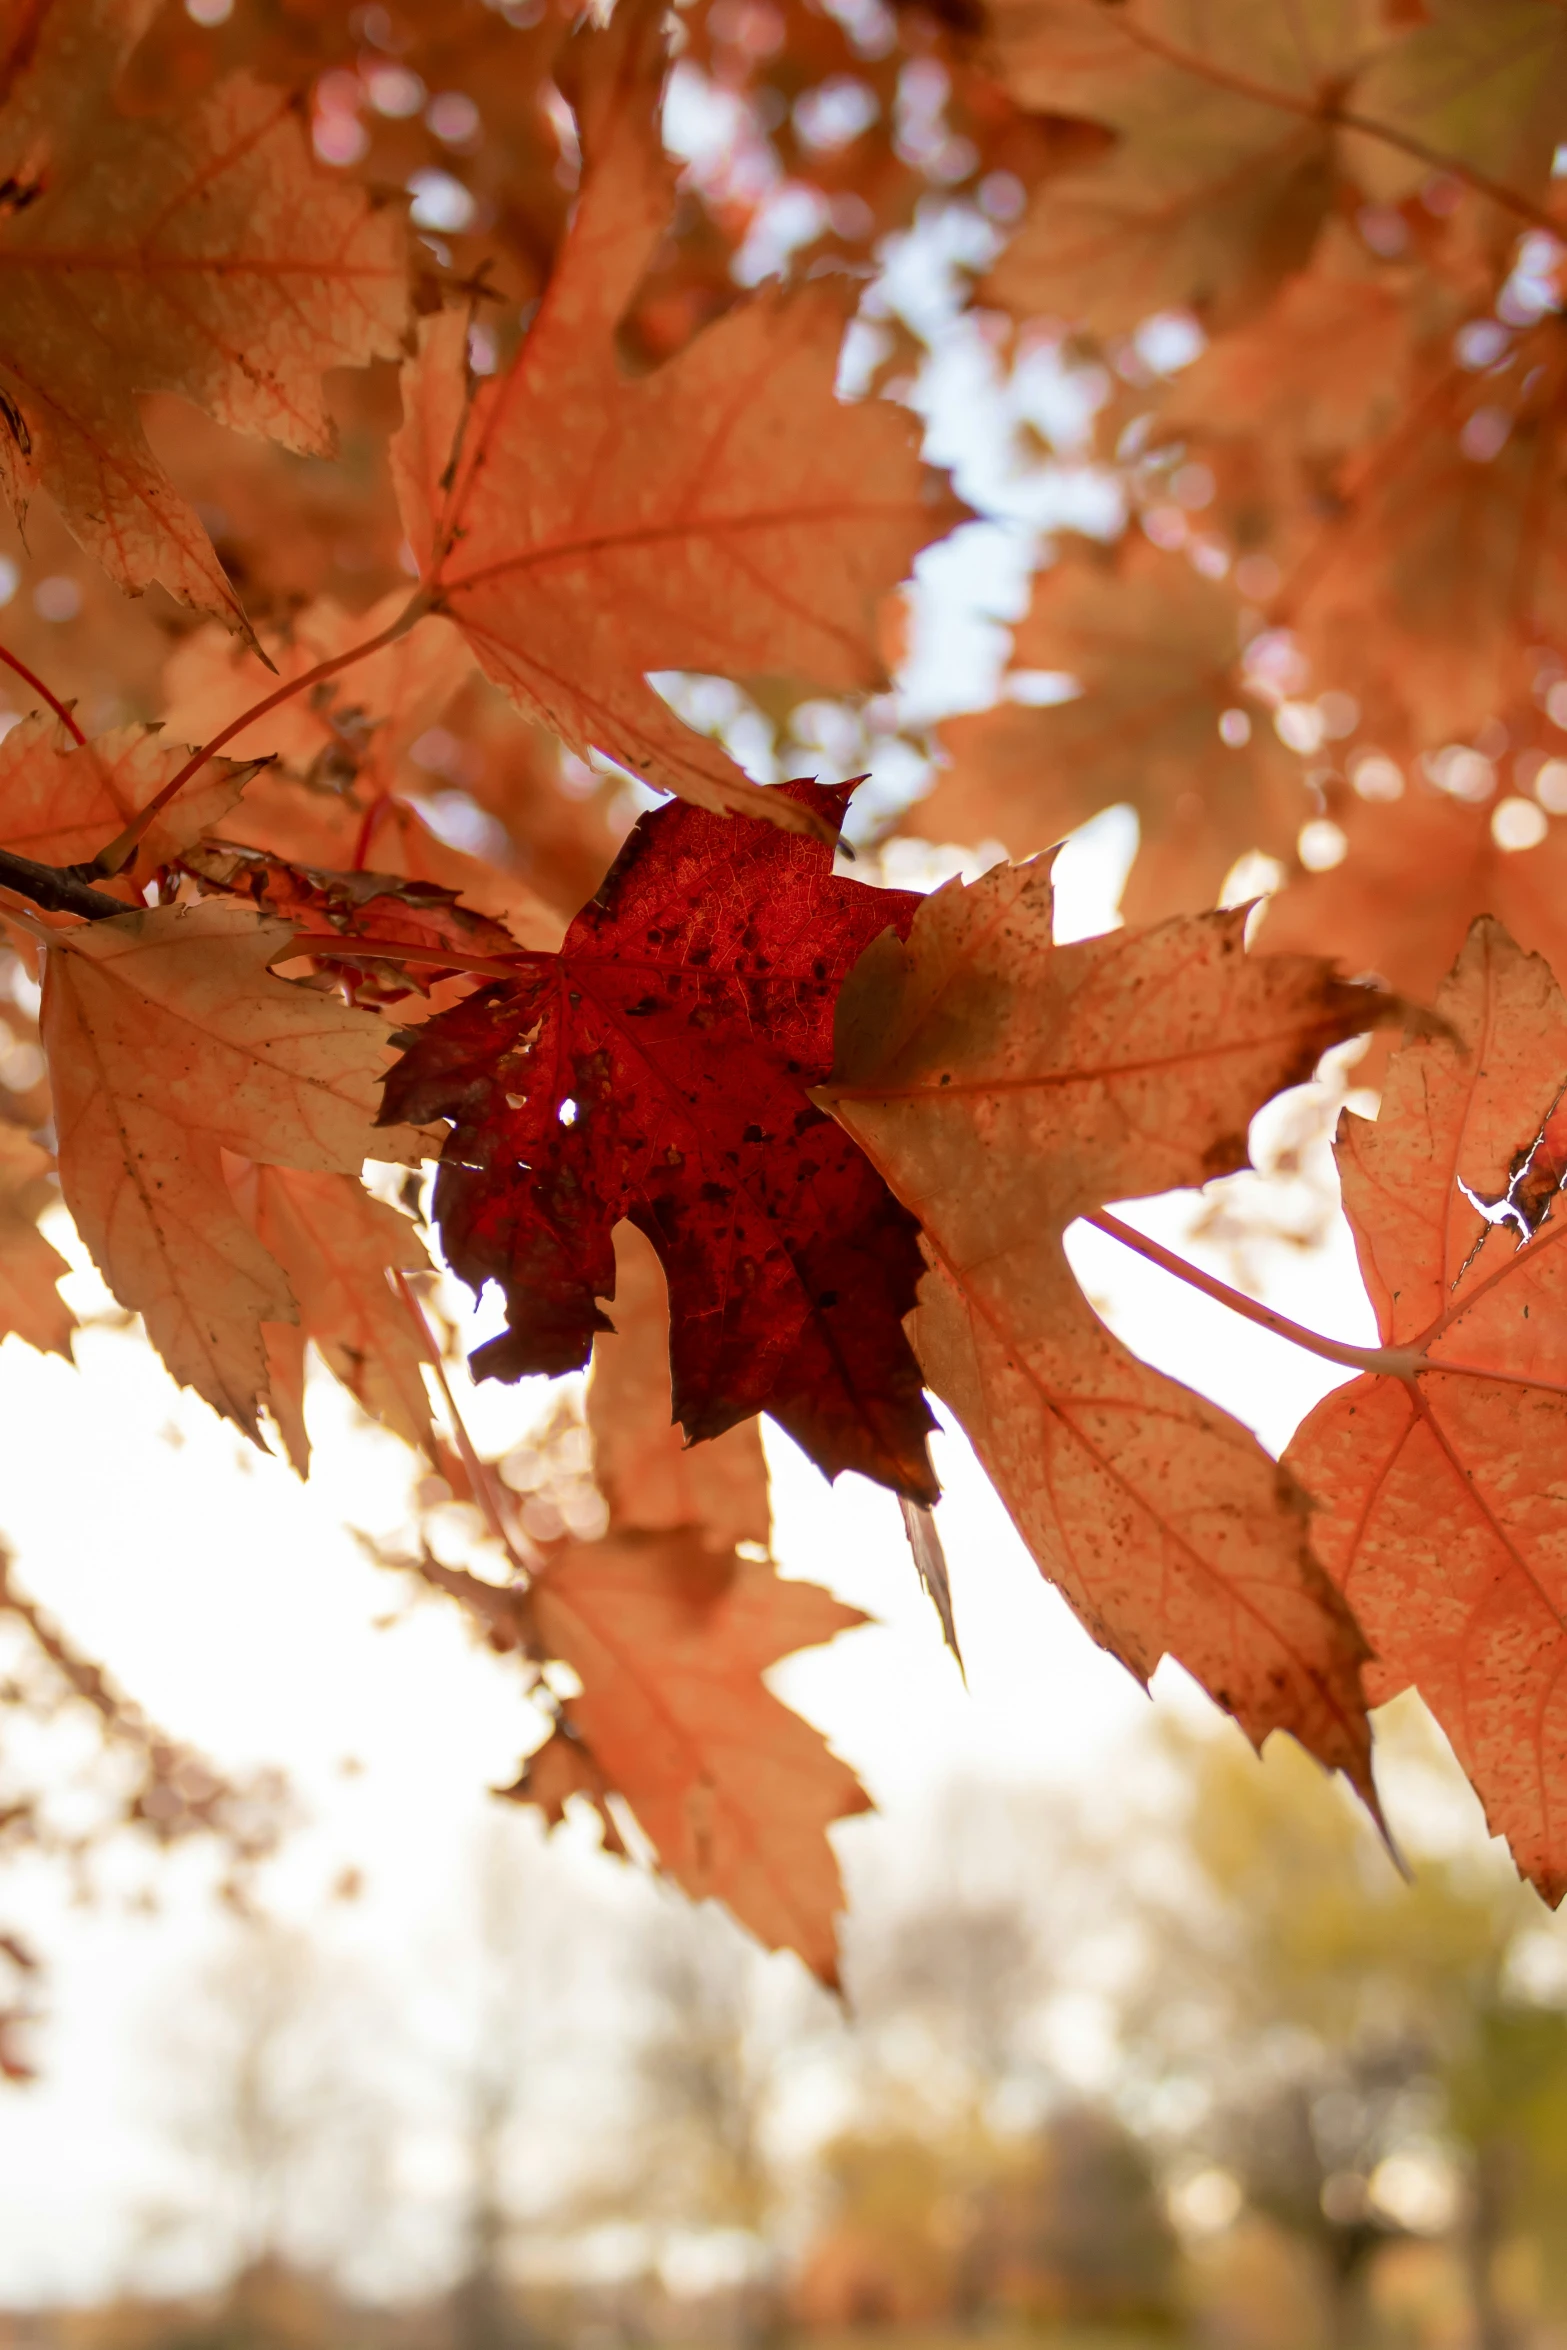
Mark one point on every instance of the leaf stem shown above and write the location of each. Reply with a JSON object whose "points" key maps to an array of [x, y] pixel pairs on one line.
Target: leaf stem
{"points": [[118, 852], [1395, 1362], [62, 710]]}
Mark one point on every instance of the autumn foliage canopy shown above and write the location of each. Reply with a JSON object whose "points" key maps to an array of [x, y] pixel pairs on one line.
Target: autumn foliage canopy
{"points": [[404, 441]]}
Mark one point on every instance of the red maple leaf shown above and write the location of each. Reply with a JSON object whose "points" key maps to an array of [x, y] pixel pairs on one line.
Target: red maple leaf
{"points": [[656, 1069]]}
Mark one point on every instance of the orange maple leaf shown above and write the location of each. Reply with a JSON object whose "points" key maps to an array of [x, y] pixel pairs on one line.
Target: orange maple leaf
{"points": [[169, 1041], [61, 802], [651, 1478], [735, 1793], [357, 725], [1156, 652], [1439, 1509], [726, 513], [1415, 873], [30, 1304], [338, 1247], [1226, 163], [1004, 1086], [205, 254], [325, 830]]}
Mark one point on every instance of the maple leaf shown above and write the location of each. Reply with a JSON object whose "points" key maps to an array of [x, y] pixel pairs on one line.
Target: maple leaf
{"points": [[168, 1042], [725, 513], [735, 1793], [61, 802], [358, 723], [318, 829], [656, 1069], [514, 173], [1324, 367], [1438, 1505], [1005, 1086], [650, 1480], [204, 255], [1416, 872], [1482, 83], [1442, 572], [1227, 161], [1156, 652], [669, 1631], [30, 1304], [337, 1247]]}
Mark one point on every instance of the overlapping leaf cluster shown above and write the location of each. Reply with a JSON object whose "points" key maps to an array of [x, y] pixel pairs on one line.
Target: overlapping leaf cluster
{"points": [[328, 857]]}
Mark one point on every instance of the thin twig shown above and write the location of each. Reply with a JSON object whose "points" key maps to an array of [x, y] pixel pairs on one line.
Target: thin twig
{"points": [[478, 1470], [62, 710]]}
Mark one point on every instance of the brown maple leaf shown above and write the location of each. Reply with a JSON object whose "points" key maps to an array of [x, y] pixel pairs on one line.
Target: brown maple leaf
{"points": [[497, 61], [1004, 1086], [61, 802], [338, 1248], [735, 1793], [205, 255], [405, 927], [1441, 572], [1227, 162], [670, 1630], [319, 828], [1323, 368], [352, 727], [1479, 83], [169, 1041], [1439, 1509], [1156, 652], [1415, 873], [726, 513]]}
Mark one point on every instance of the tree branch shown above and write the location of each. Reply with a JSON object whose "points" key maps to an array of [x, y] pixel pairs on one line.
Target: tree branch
{"points": [[59, 889]]}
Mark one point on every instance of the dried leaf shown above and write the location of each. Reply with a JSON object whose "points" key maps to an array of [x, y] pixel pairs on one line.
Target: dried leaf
{"points": [[338, 1247], [205, 255], [31, 1306], [652, 1481], [734, 1792], [60, 803], [1156, 653], [360, 722], [169, 1042], [1482, 82], [1226, 166], [1415, 873]]}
